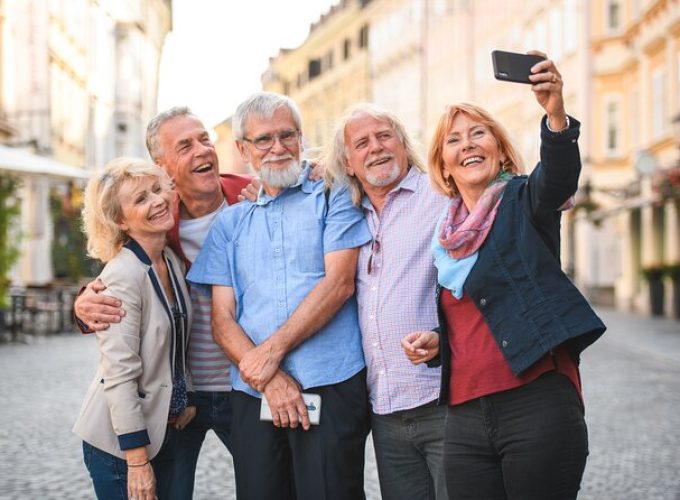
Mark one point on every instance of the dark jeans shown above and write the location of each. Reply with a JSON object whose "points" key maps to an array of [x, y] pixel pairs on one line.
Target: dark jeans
{"points": [[213, 411], [522, 444], [409, 451], [109, 473], [324, 463]]}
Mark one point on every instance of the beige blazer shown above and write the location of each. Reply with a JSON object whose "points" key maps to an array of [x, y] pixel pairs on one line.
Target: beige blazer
{"points": [[130, 393]]}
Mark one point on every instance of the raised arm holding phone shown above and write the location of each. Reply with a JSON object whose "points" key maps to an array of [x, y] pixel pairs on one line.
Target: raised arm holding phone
{"points": [[512, 325]]}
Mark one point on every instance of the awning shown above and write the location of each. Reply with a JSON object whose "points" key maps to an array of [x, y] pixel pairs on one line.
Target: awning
{"points": [[22, 162]]}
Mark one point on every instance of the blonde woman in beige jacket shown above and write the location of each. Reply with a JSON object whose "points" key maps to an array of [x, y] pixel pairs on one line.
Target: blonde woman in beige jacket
{"points": [[141, 390]]}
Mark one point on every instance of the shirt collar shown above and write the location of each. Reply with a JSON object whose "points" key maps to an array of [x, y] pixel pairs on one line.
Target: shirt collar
{"points": [[303, 182], [410, 182]]}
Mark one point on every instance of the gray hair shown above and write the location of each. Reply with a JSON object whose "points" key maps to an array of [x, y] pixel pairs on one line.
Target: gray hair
{"points": [[262, 105], [152, 143], [335, 157]]}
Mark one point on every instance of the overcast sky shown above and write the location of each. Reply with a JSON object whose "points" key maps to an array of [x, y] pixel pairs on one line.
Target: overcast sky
{"points": [[218, 49]]}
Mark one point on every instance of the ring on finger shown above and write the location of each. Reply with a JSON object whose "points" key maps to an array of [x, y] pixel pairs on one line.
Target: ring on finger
{"points": [[554, 78]]}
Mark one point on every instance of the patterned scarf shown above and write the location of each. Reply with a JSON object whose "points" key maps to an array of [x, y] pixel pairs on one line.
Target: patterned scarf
{"points": [[463, 232]]}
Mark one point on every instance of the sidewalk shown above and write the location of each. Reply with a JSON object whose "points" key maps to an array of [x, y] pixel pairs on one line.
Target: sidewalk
{"points": [[638, 334]]}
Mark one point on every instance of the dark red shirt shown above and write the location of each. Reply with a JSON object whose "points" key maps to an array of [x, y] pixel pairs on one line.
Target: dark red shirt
{"points": [[478, 367]]}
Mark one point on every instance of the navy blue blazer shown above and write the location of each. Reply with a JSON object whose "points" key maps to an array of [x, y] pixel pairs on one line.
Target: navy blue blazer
{"points": [[517, 283]]}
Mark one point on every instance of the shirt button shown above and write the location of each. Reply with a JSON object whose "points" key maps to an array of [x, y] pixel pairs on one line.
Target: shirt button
{"points": [[504, 343], [482, 302], [374, 289], [371, 317], [375, 344], [382, 372], [277, 250]]}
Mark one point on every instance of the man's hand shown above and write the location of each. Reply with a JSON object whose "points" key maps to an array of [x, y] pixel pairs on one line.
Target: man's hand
{"points": [[286, 403], [251, 191], [317, 171], [97, 310], [185, 417], [259, 365], [420, 347]]}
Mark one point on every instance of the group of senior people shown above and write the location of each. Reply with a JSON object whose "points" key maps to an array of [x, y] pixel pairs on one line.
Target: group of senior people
{"points": [[432, 313]]}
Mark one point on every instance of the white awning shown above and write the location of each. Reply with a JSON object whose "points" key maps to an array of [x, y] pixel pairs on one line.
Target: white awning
{"points": [[22, 162]]}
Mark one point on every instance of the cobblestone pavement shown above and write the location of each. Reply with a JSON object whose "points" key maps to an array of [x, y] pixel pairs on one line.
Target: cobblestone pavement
{"points": [[631, 384]]}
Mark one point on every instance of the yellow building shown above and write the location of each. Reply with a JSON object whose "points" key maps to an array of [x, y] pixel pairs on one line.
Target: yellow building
{"points": [[328, 72], [620, 61], [635, 48], [229, 157]]}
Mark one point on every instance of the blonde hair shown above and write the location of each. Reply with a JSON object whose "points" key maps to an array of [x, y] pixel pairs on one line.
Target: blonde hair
{"points": [[335, 156], [101, 206], [446, 185]]}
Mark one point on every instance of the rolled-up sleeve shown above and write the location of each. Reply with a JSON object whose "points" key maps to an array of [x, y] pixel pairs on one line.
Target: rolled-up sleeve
{"points": [[345, 225]]}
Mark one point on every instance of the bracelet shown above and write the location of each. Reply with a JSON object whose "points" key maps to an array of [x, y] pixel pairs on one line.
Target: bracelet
{"points": [[566, 127], [138, 465]]}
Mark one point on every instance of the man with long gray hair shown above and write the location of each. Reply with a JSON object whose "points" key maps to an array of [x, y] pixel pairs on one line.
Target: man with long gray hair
{"points": [[396, 282], [282, 271]]}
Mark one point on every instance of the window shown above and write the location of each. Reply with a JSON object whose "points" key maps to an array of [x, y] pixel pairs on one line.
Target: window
{"points": [[314, 68], [658, 103], [328, 60], [613, 15], [612, 129], [346, 49], [363, 37]]}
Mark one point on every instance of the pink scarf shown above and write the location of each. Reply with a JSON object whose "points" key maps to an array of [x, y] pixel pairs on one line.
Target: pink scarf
{"points": [[463, 232]]}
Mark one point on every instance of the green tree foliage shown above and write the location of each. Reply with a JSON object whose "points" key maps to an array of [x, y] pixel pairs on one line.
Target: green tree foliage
{"points": [[9, 242], [68, 246]]}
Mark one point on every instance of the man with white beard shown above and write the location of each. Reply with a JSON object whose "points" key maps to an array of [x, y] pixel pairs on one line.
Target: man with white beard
{"points": [[282, 274]]}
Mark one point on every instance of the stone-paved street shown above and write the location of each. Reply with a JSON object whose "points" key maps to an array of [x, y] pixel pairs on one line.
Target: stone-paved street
{"points": [[631, 384]]}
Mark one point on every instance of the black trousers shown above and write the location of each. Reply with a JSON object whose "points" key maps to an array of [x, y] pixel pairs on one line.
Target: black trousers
{"points": [[528, 443], [324, 463]]}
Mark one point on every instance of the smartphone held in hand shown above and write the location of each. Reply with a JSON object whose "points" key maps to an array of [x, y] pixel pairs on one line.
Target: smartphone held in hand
{"points": [[512, 66], [312, 402]]}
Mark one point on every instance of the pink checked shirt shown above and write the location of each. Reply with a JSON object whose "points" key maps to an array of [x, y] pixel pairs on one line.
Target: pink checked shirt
{"points": [[396, 282]]}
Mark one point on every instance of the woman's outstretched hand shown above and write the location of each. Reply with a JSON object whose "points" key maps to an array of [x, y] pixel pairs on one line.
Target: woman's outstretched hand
{"points": [[547, 87]]}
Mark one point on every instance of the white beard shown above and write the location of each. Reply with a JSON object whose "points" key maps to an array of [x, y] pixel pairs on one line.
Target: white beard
{"points": [[383, 180], [281, 178]]}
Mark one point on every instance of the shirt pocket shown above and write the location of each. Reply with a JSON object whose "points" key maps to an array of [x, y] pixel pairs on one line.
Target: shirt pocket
{"points": [[306, 247]]}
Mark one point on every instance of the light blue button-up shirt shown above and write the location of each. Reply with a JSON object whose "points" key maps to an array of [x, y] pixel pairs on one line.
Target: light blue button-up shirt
{"points": [[272, 254]]}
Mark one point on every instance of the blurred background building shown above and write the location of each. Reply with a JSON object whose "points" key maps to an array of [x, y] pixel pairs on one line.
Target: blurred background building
{"points": [[79, 79], [78, 83], [621, 65]]}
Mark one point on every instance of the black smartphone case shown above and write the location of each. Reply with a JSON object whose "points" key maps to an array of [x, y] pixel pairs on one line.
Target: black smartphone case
{"points": [[513, 67]]}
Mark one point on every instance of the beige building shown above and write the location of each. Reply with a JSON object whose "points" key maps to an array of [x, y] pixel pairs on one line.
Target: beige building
{"points": [[229, 157], [78, 82], [635, 48], [620, 60], [328, 72]]}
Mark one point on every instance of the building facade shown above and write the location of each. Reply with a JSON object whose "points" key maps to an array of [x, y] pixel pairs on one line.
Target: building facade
{"points": [[79, 83]]}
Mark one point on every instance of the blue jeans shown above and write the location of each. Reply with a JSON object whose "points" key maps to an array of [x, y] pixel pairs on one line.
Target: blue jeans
{"points": [[213, 411], [528, 443], [409, 451], [109, 473]]}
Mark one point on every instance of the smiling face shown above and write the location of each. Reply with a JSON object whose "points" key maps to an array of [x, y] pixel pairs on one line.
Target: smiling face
{"points": [[471, 156], [278, 165], [146, 207], [188, 156], [375, 154]]}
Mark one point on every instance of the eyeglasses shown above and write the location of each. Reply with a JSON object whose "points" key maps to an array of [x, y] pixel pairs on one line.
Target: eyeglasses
{"points": [[265, 142]]}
